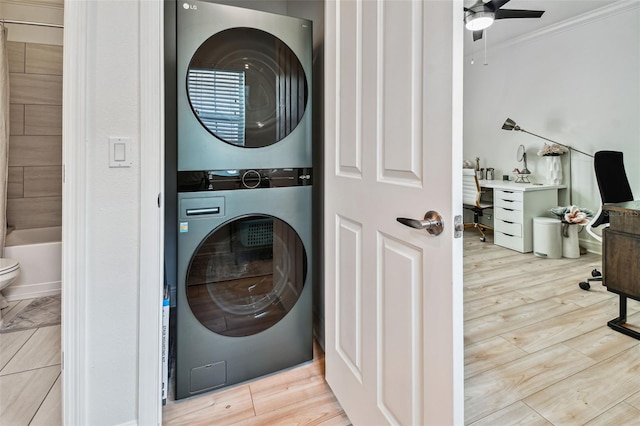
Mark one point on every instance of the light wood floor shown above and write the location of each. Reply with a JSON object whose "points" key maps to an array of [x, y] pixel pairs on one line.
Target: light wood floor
{"points": [[30, 387], [537, 347], [299, 396], [537, 352]]}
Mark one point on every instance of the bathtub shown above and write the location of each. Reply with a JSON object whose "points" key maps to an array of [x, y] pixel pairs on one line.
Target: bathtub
{"points": [[39, 251]]}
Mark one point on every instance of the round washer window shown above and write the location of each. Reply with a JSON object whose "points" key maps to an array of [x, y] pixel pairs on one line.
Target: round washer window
{"points": [[247, 87], [246, 275]]}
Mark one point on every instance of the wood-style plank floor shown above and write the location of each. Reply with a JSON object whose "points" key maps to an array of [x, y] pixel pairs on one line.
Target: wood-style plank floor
{"points": [[537, 352], [298, 396], [537, 347]]}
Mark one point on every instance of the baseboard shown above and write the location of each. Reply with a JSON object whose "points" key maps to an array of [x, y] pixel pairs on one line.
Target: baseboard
{"points": [[31, 291], [591, 246]]}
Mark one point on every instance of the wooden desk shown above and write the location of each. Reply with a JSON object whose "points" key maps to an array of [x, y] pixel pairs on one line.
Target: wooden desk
{"points": [[621, 258], [514, 207]]}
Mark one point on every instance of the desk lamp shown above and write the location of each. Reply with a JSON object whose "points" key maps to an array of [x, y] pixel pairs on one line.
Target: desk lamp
{"points": [[509, 124]]}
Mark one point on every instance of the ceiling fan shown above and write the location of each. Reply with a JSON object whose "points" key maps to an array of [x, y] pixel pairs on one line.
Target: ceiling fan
{"points": [[481, 15]]}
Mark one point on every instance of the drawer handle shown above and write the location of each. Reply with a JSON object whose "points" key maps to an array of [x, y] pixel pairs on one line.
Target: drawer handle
{"points": [[508, 235], [198, 212], [511, 210], [509, 192], [506, 221], [508, 201]]}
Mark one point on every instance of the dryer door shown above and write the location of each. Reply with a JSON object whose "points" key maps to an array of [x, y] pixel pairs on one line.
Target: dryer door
{"points": [[247, 87], [246, 275]]}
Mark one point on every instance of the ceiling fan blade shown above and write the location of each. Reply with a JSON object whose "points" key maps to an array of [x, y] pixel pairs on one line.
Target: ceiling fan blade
{"points": [[477, 35], [496, 4], [515, 13]]}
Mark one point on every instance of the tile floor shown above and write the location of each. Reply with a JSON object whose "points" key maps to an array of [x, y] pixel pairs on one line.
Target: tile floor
{"points": [[30, 388]]}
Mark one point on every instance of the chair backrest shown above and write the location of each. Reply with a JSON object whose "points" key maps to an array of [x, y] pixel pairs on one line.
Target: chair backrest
{"points": [[470, 188], [612, 182], [612, 177]]}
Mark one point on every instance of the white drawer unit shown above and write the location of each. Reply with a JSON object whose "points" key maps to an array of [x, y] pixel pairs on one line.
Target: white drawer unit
{"points": [[514, 209], [509, 241], [508, 214], [507, 204], [508, 195], [508, 227]]}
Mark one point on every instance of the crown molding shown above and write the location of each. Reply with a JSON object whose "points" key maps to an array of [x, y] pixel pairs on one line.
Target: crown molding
{"points": [[604, 12]]}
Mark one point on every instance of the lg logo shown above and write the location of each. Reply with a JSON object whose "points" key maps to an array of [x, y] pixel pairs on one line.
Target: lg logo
{"points": [[188, 6]]}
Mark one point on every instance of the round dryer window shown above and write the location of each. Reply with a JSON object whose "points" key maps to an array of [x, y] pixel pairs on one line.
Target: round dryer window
{"points": [[247, 87], [246, 275]]}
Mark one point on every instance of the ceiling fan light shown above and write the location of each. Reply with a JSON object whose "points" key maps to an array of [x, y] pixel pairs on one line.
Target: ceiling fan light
{"points": [[479, 20]]}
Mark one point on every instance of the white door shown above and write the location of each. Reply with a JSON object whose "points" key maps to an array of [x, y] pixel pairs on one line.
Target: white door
{"points": [[393, 111]]}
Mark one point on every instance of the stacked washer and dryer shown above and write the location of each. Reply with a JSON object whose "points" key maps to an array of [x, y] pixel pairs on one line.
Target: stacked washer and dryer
{"points": [[244, 195]]}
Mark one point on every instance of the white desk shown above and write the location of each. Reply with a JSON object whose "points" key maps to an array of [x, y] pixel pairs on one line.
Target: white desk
{"points": [[514, 207]]}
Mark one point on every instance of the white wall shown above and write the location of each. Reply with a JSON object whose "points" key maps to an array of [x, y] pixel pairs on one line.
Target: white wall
{"points": [[112, 213], [578, 86]]}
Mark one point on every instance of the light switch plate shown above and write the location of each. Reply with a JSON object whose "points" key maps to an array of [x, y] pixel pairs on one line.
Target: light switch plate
{"points": [[120, 152]]}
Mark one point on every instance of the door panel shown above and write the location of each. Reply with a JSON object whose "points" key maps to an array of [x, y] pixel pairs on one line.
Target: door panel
{"points": [[349, 294], [349, 140], [400, 51], [393, 294], [400, 313]]}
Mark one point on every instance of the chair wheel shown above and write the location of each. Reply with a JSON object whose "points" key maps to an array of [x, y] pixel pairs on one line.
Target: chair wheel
{"points": [[596, 273], [584, 285], [483, 239]]}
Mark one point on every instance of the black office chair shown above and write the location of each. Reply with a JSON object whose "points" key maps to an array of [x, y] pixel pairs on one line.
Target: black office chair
{"points": [[614, 188]]}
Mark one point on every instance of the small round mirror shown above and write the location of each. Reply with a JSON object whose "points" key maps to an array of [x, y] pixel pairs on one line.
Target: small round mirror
{"points": [[522, 156], [522, 153]]}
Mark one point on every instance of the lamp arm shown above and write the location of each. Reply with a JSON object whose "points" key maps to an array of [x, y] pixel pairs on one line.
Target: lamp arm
{"points": [[558, 143]]}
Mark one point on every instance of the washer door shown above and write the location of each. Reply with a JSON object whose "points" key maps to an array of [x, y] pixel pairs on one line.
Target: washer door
{"points": [[246, 275], [247, 87]]}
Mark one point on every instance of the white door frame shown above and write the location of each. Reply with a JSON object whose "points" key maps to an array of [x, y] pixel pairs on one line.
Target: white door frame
{"points": [[151, 48], [74, 221]]}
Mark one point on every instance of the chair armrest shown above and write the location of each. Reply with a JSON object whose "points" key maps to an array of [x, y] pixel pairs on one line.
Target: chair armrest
{"points": [[590, 225]]}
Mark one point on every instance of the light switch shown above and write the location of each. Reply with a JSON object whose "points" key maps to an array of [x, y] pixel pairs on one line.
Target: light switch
{"points": [[119, 152]]}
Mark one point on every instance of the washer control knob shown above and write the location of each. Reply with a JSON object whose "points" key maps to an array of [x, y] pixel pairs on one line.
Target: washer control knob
{"points": [[251, 179]]}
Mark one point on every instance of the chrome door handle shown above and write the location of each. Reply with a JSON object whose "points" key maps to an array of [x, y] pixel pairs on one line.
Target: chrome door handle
{"points": [[432, 223]]}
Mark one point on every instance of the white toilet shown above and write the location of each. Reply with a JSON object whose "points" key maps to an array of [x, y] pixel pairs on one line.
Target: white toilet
{"points": [[9, 271]]}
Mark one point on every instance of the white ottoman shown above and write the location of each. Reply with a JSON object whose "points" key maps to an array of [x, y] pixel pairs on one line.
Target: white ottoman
{"points": [[547, 237]]}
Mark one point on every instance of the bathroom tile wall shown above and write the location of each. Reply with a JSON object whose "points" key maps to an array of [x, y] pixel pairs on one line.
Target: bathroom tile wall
{"points": [[35, 145]]}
